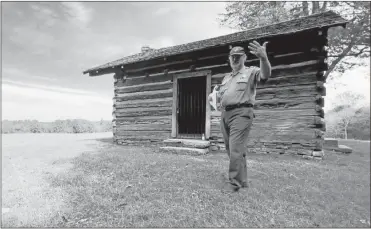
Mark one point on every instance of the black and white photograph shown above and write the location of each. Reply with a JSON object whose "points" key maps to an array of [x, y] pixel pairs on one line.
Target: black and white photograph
{"points": [[185, 114]]}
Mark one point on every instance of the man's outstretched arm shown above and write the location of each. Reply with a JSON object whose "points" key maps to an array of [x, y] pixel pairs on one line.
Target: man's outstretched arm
{"points": [[260, 51]]}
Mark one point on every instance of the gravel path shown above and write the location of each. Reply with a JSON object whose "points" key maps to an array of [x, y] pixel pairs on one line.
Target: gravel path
{"points": [[27, 159]]}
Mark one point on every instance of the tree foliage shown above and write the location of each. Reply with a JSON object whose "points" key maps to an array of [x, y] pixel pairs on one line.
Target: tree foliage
{"points": [[345, 45], [347, 112]]}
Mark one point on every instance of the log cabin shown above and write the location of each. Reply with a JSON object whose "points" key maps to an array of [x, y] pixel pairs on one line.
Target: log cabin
{"points": [[161, 94]]}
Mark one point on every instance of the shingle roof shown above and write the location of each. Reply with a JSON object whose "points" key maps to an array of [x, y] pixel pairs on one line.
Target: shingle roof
{"points": [[325, 19]]}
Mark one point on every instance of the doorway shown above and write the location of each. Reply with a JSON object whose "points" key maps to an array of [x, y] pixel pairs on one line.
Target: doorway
{"points": [[191, 107], [191, 110]]}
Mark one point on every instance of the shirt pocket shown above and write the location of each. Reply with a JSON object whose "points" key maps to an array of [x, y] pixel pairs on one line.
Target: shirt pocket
{"points": [[241, 84]]}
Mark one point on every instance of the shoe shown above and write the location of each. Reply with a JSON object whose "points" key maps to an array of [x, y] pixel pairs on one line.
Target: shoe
{"points": [[229, 188], [224, 178], [245, 185]]}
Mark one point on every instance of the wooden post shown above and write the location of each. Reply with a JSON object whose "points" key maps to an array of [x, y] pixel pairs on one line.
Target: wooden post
{"points": [[175, 108], [208, 110]]}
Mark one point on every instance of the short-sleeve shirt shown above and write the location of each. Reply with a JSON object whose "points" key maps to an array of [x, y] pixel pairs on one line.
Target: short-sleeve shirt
{"points": [[240, 87]]}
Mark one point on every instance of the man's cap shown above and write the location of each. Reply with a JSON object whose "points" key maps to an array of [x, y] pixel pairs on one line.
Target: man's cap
{"points": [[237, 50]]}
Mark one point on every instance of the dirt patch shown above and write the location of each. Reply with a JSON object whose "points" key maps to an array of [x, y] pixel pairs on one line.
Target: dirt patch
{"points": [[27, 162]]}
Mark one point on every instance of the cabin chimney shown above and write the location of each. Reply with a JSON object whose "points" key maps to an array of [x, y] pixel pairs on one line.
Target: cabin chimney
{"points": [[145, 49]]}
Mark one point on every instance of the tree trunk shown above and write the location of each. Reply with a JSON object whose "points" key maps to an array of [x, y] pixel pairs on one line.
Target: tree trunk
{"points": [[324, 7], [315, 7], [338, 59], [346, 130], [305, 8], [345, 133]]}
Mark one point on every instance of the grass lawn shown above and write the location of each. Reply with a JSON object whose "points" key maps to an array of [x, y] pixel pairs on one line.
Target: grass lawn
{"points": [[125, 186]]}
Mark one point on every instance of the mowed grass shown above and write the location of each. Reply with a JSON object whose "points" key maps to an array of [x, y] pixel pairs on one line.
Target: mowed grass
{"points": [[125, 186]]}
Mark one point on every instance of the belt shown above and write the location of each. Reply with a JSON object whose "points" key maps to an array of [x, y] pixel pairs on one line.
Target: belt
{"points": [[234, 106]]}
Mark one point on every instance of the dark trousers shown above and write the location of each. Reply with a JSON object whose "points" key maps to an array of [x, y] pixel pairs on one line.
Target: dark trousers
{"points": [[235, 126]]}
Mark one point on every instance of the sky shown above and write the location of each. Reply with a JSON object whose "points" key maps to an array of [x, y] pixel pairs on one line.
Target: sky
{"points": [[356, 81], [47, 45]]}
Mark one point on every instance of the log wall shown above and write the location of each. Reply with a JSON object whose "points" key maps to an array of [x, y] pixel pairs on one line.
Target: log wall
{"points": [[289, 106], [289, 112], [142, 109]]}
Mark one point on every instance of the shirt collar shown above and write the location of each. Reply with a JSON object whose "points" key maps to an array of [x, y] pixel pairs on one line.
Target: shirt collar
{"points": [[242, 70]]}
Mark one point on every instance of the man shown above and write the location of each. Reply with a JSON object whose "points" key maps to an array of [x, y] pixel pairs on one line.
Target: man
{"points": [[237, 97]]}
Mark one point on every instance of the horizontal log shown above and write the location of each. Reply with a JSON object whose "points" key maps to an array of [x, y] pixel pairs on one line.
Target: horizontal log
{"points": [[308, 78], [280, 134], [288, 54], [282, 144], [295, 65], [293, 144], [142, 135], [296, 68], [290, 70], [145, 95], [164, 65], [273, 59], [188, 143], [286, 70], [143, 120], [276, 124], [299, 79], [270, 150], [104, 71], [141, 142], [144, 127], [144, 80], [145, 87], [161, 102], [149, 112], [287, 104], [140, 109], [287, 92], [289, 125], [278, 114], [274, 120], [126, 142]]}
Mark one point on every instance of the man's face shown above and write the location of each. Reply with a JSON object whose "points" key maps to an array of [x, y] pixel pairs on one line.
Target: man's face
{"points": [[237, 60]]}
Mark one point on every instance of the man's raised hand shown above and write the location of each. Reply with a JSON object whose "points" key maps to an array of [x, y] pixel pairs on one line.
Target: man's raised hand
{"points": [[258, 50]]}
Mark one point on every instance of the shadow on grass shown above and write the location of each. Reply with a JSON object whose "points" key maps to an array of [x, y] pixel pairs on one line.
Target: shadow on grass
{"points": [[123, 186]]}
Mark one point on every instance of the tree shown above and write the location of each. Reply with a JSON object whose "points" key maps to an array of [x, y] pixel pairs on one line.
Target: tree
{"points": [[345, 45], [347, 107], [359, 128]]}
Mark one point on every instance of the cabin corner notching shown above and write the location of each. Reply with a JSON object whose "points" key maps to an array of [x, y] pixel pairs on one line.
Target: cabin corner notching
{"points": [[162, 94]]}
